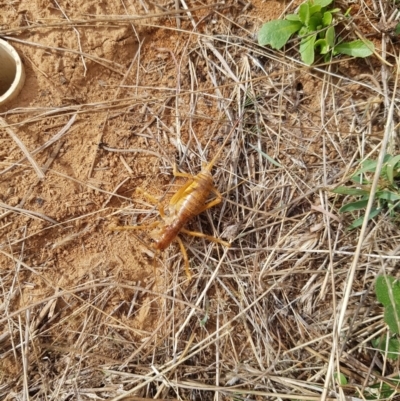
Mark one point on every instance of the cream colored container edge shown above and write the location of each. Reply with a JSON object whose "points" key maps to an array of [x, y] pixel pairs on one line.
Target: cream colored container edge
{"points": [[12, 74]]}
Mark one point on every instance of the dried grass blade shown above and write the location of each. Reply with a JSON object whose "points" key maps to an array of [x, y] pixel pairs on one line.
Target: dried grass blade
{"points": [[55, 138], [21, 145], [29, 213]]}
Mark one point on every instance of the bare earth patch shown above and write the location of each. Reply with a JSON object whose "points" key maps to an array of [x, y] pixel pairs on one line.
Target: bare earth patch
{"points": [[118, 92]]}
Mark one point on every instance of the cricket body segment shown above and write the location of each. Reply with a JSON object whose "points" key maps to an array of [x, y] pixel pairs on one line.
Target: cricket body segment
{"points": [[186, 204]]}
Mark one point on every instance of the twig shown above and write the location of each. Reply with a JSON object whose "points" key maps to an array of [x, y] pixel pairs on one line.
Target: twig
{"points": [[21, 145], [79, 39], [100, 136], [102, 61], [112, 19], [55, 138], [29, 213]]}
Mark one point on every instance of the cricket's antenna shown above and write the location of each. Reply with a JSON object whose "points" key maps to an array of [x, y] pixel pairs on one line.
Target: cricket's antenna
{"points": [[214, 159]]}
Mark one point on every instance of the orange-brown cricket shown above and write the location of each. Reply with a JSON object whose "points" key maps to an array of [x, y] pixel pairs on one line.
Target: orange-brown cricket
{"points": [[189, 201]]}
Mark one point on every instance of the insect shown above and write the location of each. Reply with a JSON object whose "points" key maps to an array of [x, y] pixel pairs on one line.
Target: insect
{"points": [[188, 202]]}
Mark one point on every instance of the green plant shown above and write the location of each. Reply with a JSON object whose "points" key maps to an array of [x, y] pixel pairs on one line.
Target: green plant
{"points": [[387, 290], [314, 24], [382, 390], [387, 196], [387, 346], [376, 391], [340, 378]]}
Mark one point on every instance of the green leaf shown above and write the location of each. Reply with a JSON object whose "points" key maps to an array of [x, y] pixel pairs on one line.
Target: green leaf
{"points": [[382, 285], [387, 290], [367, 166], [350, 191], [353, 206], [356, 48], [392, 317], [315, 22], [304, 31], [292, 17], [323, 46], [387, 158], [387, 196], [304, 13], [322, 3], [330, 36], [315, 9], [381, 391], [391, 345], [327, 18], [359, 180], [277, 32], [328, 57], [393, 348], [269, 158], [391, 165], [340, 378], [358, 222], [307, 49], [397, 29]]}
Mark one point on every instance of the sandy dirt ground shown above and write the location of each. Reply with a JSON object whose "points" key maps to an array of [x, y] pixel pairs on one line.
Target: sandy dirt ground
{"points": [[119, 103], [133, 66], [126, 99]]}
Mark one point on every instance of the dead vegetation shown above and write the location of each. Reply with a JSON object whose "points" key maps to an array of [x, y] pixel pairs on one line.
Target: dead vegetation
{"points": [[115, 95]]}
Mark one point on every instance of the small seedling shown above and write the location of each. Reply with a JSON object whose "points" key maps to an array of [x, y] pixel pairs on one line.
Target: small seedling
{"points": [[340, 378], [378, 391], [314, 24], [389, 347], [382, 390], [388, 294], [387, 196], [387, 290]]}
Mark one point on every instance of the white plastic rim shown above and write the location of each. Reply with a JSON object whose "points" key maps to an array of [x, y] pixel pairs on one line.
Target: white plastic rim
{"points": [[12, 74]]}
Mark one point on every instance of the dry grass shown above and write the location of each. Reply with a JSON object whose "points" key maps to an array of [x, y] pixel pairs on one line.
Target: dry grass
{"points": [[273, 317]]}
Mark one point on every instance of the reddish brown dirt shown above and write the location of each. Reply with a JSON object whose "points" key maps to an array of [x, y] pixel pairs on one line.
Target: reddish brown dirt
{"points": [[131, 90], [85, 184]]}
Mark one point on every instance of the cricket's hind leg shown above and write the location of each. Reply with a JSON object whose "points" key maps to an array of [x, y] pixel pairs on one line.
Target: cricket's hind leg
{"points": [[183, 249], [185, 258], [209, 237], [199, 235]]}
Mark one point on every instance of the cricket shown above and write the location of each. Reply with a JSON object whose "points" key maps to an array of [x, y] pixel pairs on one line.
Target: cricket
{"points": [[190, 200]]}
